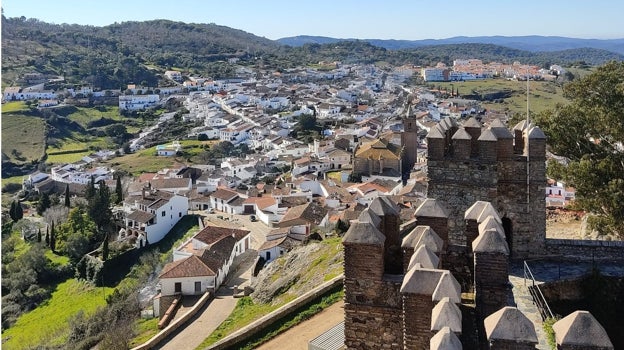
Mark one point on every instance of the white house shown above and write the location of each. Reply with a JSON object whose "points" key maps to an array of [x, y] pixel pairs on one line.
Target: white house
{"points": [[203, 262], [339, 159], [227, 201], [138, 102], [151, 215], [169, 150]]}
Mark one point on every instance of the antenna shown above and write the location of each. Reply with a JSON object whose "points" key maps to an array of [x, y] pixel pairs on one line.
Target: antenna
{"points": [[528, 144]]}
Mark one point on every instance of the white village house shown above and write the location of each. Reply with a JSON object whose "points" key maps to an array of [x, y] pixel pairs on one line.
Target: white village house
{"points": [[150, 216]]}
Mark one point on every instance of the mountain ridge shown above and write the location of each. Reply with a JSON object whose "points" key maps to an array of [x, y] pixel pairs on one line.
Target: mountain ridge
{"points": [[532, 43]]}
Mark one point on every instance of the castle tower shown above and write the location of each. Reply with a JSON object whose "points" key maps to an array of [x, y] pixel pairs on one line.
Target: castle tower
{"points": [[409, 140], [505, 169]]}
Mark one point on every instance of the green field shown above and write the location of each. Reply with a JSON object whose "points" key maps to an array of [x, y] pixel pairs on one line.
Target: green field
{"points": [[84, 115], [12, 107], [48, 323], [543, 94], [23, 138]]}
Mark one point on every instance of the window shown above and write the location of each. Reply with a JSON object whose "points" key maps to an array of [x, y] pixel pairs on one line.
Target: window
{"points": [[179, 214], [163, 213], [197, 287], [177, 288]]}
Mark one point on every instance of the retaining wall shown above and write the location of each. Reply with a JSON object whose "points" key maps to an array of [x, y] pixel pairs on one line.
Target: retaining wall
{"points": [[175, 324]]}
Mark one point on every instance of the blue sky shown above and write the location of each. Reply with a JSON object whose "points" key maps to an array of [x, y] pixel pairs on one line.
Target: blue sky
{"points": [[363, 19]]}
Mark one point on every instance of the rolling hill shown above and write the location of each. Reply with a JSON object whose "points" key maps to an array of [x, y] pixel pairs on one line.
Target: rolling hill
{"points": [[532, 43]]}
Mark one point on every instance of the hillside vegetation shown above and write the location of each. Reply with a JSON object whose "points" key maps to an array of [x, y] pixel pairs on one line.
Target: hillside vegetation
{"points": [[139, 52]]}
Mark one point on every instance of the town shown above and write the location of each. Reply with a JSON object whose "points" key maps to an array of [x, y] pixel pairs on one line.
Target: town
{"points": [[321, 153]]}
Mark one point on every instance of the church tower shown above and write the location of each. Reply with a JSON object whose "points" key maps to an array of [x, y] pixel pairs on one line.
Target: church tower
{"points": [[409, 139]]}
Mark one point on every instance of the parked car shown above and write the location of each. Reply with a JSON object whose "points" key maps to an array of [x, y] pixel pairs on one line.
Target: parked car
{"points": [[253, 218]]}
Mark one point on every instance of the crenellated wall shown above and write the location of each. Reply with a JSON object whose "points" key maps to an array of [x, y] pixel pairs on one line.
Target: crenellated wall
{"points": [[495, 171]]}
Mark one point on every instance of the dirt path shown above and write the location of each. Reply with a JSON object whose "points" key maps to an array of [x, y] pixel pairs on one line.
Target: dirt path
{"points": [[297, 337]]}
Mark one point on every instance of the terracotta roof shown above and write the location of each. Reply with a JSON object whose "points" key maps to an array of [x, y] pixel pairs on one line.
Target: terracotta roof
{"points": [[310, 213], [193, 266], [270, 244], [261, 202], [378, 149], [224, 194], [212, 234]]}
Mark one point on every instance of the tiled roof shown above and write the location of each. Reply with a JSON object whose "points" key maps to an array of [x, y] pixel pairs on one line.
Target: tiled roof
{"points": [[170, 183], [310, 213], [140, 216], [224, 194], [212, 234], [378, 150], [193, 266]]}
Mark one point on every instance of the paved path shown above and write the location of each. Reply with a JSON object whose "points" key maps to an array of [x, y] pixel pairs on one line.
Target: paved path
{"points": [[549, 271], [210, 316], [297, 337]]}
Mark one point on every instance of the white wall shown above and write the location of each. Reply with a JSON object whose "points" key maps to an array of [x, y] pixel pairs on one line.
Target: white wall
{"points": [[174, 211], [188, 285]]}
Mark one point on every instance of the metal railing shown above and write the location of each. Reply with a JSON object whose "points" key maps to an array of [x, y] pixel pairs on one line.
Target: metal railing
{"points": [[536, 293]]}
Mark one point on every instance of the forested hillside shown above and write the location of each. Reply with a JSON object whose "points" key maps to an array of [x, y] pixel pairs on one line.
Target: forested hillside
{"points": [[112, 56], [138, 52]]}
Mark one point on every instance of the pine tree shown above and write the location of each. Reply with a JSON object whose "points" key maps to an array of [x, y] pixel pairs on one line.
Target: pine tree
{"points": [[67, 202], [118, 191], [52, 238]]}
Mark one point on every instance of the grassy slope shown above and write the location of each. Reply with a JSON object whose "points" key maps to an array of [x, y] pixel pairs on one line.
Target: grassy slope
{"points": [[25, 135], [48, 323], [543, 95]]}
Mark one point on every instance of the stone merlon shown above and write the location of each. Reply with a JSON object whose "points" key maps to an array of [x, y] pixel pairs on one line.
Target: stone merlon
{"points": [[368, 216], [461, 134], [446, 314], [363, 233], [481, 210], [448, 287], [445, 339], [432, 209], [490, 241], [425, 257], [382, 207], [581, 329], [510, 324]]}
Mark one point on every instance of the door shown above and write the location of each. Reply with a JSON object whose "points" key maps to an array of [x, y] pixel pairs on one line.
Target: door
{"points": [[177, 287], [197, 287]]}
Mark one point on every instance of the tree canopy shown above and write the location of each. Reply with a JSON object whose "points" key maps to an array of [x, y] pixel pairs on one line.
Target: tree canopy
{"points": [[590, 132]]}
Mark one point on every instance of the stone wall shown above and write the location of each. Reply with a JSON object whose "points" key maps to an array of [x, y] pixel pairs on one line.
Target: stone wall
{"points": [[373, 327], [586, 249], [417, 320], [459, 185]]}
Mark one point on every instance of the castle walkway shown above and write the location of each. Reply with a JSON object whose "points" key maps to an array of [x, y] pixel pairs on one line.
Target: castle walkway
{"points": [[545, 271]]}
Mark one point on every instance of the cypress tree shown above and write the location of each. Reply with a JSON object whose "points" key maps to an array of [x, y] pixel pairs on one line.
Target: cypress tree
{"points": [[47, 236], [19, 212], [118, 190], [67, 202], [52, 238], [39, 235]]}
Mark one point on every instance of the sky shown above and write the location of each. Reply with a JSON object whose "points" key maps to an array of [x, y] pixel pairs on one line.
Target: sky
{"points": [[360, 19]]}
